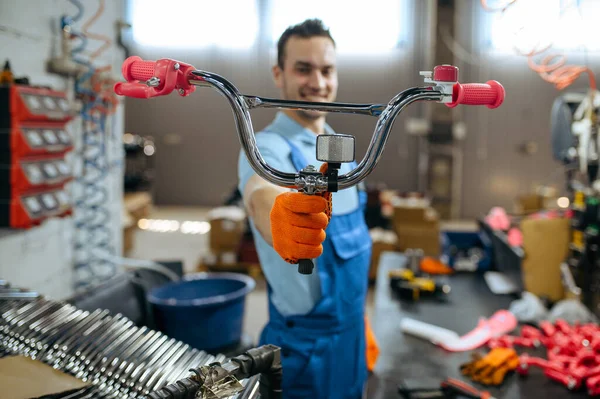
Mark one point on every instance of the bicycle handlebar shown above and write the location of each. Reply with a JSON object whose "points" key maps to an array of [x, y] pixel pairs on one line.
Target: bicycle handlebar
{"points": [[165, 75], [147, 79]]}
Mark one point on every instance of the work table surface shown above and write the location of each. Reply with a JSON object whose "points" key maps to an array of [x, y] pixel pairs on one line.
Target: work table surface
{"points": [[405, 356]]}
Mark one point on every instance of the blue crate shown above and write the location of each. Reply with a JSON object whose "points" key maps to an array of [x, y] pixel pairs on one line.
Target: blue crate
{"points": [[463, 241]]}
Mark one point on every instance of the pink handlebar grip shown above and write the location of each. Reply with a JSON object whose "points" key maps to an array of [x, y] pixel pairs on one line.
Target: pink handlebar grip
{"points": [[134, 68], [490, 94], [147, 79], [135, 90]]}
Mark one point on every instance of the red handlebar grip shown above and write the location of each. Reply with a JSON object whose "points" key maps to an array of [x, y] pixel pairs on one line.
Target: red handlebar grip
{"points": [[490, 94], [134, 68]]}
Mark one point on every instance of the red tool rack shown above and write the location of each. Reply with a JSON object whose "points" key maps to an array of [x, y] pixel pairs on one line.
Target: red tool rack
{"points": [[34, 140]]}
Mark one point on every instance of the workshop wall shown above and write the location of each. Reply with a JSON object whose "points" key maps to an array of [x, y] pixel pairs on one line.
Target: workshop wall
{"points": [[42, 258], [495, 168], [197, 147]]}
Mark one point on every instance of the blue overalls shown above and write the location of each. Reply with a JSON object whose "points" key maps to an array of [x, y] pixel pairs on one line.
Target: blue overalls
{"points": [[323, 352]]}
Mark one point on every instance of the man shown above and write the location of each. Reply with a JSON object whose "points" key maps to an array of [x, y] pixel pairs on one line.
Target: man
{"points": [[317, 319]]}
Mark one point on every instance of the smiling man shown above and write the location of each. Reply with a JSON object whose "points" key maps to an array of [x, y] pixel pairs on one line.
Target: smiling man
{"points": [[317, 319]]}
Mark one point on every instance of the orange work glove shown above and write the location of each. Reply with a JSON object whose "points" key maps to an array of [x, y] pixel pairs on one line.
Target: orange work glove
{"points": [[298, 223], [372, 346]]}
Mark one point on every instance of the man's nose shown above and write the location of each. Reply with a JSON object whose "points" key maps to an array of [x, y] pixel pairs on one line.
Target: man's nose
{"points": [[317, 80]]}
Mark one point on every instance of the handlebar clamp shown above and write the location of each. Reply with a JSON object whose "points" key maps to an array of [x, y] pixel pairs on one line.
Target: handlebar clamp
{"points": [[311, 181]]}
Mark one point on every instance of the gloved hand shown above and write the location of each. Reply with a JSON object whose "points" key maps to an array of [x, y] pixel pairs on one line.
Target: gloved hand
{"points": [[298, 223]]}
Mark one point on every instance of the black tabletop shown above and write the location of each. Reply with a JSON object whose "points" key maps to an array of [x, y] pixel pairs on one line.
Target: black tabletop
{"points": [[404, 356]]}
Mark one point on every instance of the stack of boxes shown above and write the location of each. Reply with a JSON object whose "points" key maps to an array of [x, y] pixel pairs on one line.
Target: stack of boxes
{"points": [[417, 225], [33, 143], [227, 227], [383, 241]]}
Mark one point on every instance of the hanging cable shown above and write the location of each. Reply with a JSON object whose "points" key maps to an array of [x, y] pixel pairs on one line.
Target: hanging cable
{"points": [[107, 41], [93, 203], [96, 255], [79, 14], [92, 213], [553, 68]]}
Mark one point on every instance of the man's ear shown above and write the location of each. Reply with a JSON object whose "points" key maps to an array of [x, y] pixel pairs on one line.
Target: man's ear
{"points": [[277, 76]]}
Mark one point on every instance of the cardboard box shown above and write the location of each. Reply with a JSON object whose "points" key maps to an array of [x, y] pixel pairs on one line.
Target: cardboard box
{"points": [[426, 238], [22, 378], [138, 205], [529, 203], [215, 259], [546, 246], [129, 228], [415, 215], [383, 240], [417, 225], [227, 226]]}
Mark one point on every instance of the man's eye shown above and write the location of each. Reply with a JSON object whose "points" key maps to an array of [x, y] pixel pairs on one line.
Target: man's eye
{"points": [[303, 70]]}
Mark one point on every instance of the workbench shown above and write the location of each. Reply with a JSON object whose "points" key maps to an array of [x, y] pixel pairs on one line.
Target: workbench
{"points": [[405, 356]]}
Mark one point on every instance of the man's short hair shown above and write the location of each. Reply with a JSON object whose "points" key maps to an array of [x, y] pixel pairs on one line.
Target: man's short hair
{"points": [[306, 29]]}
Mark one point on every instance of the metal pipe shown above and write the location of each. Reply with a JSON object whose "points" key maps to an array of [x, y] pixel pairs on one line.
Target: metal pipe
{"points": [[241, 105], [94, 353], [251, 388], [83, 339], [112, 373], [102, 355], [131, 361], [60, 333], [119, 362], [97, 377], [10, 310], [133, 377], [76, 333], [343, 108], [19, 295], [19, 324], [105, 332], [32, 342], [151, 374], [135, 359], [179, 368]]}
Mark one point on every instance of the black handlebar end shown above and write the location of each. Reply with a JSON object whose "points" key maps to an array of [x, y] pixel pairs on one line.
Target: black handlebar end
{"points": [[305, 266]]}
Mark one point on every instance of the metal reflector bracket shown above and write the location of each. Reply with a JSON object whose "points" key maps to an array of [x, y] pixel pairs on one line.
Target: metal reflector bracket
{"points": [[335, 148]]}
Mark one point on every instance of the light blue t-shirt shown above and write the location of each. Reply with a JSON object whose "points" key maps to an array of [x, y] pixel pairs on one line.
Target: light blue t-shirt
{"points": [[292, 293]]}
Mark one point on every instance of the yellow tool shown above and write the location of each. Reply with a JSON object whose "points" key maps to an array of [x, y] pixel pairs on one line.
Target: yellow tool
{"points": [[407, 285]]}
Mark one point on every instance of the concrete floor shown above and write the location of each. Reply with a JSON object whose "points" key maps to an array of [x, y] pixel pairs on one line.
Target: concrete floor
{"points": [[191, 248]]}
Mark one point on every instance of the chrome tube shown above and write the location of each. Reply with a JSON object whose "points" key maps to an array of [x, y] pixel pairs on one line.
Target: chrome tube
{"points": [[382, 132], [243, 124], [343, 108], [241, 105]]}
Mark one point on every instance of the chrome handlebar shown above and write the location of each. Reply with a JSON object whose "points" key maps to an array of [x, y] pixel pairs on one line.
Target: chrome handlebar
{"points": [[152, 78], [242, 104]]}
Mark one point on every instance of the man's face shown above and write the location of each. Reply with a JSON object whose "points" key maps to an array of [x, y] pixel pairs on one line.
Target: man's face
{"points": [[309, 72]]}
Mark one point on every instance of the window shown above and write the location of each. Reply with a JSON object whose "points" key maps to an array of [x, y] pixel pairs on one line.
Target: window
{"points": [[534, 24], [357, 26], [194, 23]]}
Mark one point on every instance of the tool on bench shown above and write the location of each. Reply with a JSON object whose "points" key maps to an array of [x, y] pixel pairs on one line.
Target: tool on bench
{"points": [[407, 285], [448, 389]]}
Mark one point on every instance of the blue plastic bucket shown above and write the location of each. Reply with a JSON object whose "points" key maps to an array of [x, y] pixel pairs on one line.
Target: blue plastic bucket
{"points": [[204, 310]]}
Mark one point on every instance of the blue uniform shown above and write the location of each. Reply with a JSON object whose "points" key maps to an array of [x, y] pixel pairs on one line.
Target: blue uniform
{"points": [[317, 320]]}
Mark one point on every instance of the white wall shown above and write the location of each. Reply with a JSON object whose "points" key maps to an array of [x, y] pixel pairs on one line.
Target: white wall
{"points": [[42, 258]]}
